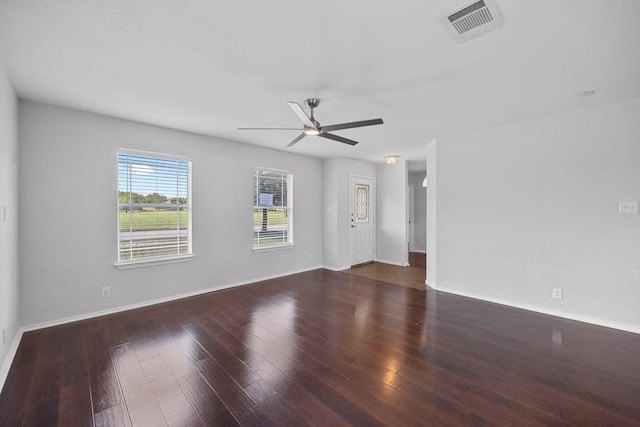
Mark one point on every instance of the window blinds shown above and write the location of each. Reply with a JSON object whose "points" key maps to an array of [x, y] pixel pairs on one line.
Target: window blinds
{"points": [[154, 207], [272, 208]]}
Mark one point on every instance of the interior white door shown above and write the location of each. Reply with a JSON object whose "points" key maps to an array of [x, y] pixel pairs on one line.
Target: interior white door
{"points": [[362, 219]]}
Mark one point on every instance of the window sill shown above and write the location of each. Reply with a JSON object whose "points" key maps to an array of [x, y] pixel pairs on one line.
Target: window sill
{"points": [[124, 265], [274, 248]]}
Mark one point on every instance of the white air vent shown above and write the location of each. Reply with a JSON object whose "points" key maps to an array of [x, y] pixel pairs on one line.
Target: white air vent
{"points": [[473, 20]]}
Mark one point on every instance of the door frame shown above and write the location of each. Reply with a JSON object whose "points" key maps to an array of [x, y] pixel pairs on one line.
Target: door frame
{"points": [[411, 214], [374, 210]]}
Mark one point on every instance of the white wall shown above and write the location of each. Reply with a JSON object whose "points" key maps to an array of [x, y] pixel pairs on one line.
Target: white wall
{"points": [[9, 314], [336, 172], [419, 237], [528, 207], [392, 216], [68, 187]]}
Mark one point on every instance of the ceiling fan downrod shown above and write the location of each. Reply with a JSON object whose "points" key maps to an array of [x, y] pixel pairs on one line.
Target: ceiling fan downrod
{"points": [[313, 103]]}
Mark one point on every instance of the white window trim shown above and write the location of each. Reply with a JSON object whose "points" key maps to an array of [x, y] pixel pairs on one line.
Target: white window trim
{"points": [[151, 261], [124, 265], [274, 247]]}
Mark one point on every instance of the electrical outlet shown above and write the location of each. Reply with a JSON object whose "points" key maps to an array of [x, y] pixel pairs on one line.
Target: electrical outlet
{"points": [[556, 293], [628, 207], [106, 292], [4, 335]]}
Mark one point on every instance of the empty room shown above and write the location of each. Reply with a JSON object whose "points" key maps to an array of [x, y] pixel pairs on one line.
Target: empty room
{"points": [[246, 213]]}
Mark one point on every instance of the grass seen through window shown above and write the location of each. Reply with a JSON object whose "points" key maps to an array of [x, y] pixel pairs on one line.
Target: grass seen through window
{"points": [[153, 220]]}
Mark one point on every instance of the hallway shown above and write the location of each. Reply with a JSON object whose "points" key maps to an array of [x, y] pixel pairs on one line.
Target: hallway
{"points": [[411, 276]]}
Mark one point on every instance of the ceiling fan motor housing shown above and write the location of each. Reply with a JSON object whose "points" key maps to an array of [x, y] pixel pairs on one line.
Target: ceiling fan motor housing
{"points": [[312, 102]]}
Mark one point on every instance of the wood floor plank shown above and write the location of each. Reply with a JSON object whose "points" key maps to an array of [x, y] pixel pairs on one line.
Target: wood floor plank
{"points": [[140, 401], [362, 397], [205, 401], [340, 404], [103, 380], [46, 385], [175, 406], [270, 402], [312, 410], [14, 398], [239, 404], [114, 416], [232, 366], [75, 405]]}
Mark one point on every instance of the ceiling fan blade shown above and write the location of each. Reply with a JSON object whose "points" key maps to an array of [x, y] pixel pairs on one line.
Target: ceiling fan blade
{"points": [[301, 114], [338, 138], [269, 129], [298, 138], [352, 125]]}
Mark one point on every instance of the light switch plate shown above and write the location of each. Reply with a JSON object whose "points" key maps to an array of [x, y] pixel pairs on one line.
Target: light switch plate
{"points": [[628, 207]]}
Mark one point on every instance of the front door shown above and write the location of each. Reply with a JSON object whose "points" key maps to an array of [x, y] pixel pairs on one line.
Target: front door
{"points": [[361, 219]]}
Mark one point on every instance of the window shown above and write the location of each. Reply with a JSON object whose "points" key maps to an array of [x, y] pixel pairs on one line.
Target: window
{"points": [[154, 207], [362, 203], [272, 208]]}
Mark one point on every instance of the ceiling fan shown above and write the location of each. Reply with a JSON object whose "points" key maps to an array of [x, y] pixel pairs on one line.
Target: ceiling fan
{"points": [[313, 127]]}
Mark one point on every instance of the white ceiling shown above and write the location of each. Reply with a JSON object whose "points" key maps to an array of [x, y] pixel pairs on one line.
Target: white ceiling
{"points": [[212, 66]]}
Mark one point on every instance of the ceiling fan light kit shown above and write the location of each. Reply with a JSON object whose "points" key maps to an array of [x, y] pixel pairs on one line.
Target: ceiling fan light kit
{"points": [[312, 126]]}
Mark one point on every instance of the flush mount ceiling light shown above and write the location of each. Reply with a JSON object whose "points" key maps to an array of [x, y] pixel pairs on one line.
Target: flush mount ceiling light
{"points": [[391, 160]]}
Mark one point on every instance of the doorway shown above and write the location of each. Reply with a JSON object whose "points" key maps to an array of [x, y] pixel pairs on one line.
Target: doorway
{"points": [[362, 193], [417, 217]]}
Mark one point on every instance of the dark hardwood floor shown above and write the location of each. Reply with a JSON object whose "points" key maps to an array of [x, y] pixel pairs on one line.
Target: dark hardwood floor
{"points": [[324, 348], [418, 259], [410, 276]]}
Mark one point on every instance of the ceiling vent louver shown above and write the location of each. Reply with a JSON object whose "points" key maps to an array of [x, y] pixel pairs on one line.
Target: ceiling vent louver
{"points": [[473, 20]]}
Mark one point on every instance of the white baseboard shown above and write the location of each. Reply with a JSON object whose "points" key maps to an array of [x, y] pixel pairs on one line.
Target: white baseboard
{"points": [[431, 285], [159, 300], [384, 261], [8, 358], [418, 251], [345, 267], [564, 314]]}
